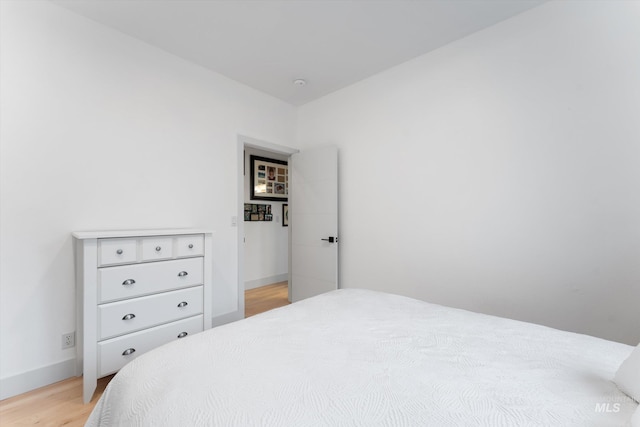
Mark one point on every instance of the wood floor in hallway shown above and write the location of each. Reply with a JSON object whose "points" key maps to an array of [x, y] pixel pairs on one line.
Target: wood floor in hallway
{"points": [[265, 298]]}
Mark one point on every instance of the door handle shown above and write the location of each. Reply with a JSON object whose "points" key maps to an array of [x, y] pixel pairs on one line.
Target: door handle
{"points": [[331, 239]]}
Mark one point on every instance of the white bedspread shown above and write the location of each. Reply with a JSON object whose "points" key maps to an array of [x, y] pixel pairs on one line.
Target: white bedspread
{"points": [[363, 358]]}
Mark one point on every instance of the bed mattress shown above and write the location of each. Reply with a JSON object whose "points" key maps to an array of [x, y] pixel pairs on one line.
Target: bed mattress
{"points": [[363, 358]]}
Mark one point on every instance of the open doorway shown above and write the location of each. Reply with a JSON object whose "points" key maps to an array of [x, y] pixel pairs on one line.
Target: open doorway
{"points": [[263, 255]]}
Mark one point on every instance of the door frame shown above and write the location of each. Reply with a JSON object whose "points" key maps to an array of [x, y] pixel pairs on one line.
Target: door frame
{"points": [[246, 141]]}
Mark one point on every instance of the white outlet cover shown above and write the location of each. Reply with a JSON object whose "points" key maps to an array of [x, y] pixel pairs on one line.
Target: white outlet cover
{"points": [[69, 340]]}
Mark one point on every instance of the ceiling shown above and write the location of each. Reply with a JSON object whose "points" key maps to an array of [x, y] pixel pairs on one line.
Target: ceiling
{"points": [[268, 44]]}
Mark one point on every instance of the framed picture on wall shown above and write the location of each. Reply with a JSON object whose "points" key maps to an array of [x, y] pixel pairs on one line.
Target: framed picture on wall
{"points": [[269, 179], [285, 215], [257, 212]]}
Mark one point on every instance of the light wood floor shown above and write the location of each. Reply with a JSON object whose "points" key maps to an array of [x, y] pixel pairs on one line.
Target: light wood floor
{"points": [[60, 404], [265, 298]]}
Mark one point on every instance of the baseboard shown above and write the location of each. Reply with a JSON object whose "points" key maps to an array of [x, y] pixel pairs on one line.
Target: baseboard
{"points": [[252, 284], [227, 318], [31, 380]]}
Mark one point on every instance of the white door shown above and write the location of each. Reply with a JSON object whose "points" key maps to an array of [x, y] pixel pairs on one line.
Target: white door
{"points": [[313, 218]]}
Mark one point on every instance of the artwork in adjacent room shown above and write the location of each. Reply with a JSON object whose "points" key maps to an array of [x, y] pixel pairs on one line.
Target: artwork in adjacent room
{"points": [[269, 179], [256, 212], [285, 215]]}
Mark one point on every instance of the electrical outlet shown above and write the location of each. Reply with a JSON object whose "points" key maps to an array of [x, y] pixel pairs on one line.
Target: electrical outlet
{"points": [[68, 340]]}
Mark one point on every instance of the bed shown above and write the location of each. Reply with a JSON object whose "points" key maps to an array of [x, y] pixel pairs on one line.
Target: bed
{"points": [[362, 358]]}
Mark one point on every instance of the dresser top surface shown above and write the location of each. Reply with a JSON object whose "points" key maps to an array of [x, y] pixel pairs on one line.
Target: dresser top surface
{"points": [[138, 233]]}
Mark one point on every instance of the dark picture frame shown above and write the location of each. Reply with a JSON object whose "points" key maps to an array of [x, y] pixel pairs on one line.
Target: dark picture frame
{"points": [[257, 212], [285, 215], [269, 179]]}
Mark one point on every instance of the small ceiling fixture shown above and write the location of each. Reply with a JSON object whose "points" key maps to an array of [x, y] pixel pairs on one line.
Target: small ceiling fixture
{"points": [[299, 82]]}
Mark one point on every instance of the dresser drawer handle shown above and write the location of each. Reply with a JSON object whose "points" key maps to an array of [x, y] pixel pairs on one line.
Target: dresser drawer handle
{"points": [[128, 282], [129, 316], [128, 351], [119, 251], [158, 248], [182, 334], [183, 304], [182, 274], [190, 245]]}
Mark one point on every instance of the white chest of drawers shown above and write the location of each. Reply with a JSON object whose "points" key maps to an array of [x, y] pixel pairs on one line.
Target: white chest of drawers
{"points": [[137, 290]]}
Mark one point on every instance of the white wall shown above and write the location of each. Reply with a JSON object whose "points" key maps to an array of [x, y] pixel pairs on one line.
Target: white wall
{"points": [[500, 173], [101, 131], [266, 246]]}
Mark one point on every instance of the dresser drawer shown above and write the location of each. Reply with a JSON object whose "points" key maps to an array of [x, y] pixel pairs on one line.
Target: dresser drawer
{"points": [[123, 317], [113, 354], [192, 245], [157, 248], [117, 251], [128, 281]]}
